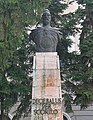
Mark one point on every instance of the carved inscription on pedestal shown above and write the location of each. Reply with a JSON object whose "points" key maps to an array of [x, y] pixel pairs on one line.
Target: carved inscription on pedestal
{"points": [[46, 106]]}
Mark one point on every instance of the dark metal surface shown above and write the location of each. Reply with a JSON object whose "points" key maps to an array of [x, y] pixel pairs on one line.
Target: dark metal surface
{"points": [[45, 37]]}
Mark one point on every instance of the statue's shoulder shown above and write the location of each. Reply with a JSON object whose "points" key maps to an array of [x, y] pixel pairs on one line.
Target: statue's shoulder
{"points": [[36, 30], [35, 33]]}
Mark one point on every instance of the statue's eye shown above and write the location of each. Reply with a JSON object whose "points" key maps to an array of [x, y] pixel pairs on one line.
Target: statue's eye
{"points": [[44, 15], [48, 15]]}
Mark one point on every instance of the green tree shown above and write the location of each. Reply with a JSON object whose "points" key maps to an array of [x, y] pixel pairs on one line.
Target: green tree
{"points": [[78, 67], [15, 16]]}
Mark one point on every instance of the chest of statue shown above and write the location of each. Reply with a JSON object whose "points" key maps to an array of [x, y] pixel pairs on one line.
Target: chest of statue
{"points": [[45, 39]]}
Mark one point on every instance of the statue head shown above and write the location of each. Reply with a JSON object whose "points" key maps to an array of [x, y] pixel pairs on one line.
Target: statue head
{"points": [[46, 17]]}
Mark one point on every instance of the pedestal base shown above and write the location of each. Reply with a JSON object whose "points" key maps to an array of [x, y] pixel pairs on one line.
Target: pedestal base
{"points": [[46, 89]]}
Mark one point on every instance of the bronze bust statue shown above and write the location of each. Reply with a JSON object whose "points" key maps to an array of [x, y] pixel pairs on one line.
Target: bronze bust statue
{"points": [[45, 37]]}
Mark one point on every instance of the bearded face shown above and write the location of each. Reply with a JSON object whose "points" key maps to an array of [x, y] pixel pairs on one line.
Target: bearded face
{"points": [[46, 17]]}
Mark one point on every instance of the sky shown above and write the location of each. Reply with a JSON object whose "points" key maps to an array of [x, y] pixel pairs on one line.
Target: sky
{"points": [[72, 7]]}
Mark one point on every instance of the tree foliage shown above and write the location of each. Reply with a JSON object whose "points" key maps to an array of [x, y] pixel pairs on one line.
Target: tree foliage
{"points": [[15, 16], [78, 68]]}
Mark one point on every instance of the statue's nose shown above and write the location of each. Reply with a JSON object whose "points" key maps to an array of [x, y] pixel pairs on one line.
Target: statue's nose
{"points": [[46, 16]]}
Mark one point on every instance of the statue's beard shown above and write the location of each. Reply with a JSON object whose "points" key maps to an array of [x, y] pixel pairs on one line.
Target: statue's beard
{"points": [[46, 22]]}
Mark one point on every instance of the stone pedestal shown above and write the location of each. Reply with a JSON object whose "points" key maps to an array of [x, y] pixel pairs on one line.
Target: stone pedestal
{"points": [[46, 89]]}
